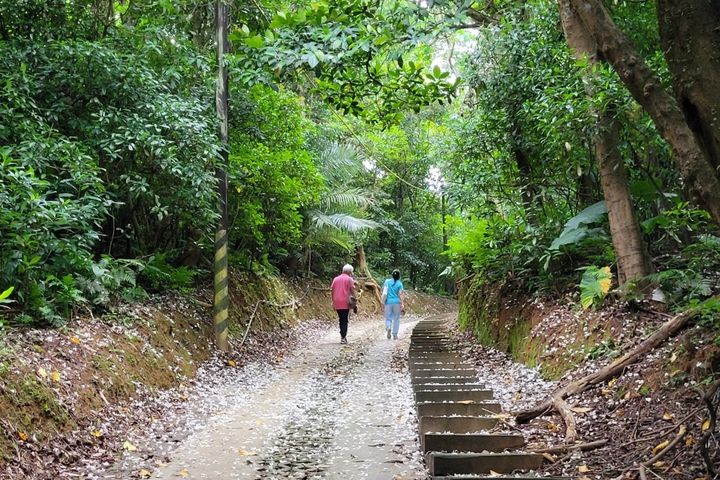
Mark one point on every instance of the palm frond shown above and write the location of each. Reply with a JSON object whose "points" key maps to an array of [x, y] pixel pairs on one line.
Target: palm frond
{"points": [[339, 155], [342, 221], [352, 197], [329, 236]]}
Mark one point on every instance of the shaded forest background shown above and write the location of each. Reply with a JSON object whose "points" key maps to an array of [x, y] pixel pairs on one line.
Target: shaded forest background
{"points": [[526, 143]]}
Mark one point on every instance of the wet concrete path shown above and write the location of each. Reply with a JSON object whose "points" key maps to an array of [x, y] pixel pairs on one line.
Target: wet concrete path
{"points": [[333, 412]]}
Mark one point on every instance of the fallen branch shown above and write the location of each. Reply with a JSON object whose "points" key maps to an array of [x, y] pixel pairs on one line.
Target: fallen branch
{"points": [[667, 330], [564, 410], [584, 447], [661, 453]]}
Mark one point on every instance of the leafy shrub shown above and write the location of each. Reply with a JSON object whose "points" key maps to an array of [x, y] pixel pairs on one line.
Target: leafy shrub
{"points": [[51, 204]]}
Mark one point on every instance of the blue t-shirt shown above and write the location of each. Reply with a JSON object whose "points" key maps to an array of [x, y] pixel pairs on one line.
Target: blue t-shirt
{"points": [[393, 290]]}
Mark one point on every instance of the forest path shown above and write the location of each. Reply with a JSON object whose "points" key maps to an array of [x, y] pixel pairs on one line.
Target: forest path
{"points": [[333, 411]]}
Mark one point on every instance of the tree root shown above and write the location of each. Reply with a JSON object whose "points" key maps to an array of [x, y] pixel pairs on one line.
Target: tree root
{"points": [[584, 447], [564, 410], [667, 330], [661, 453], [708, 398]]}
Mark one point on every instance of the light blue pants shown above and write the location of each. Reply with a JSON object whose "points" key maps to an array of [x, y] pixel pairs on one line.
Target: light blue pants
{"points": [[392, 317]]}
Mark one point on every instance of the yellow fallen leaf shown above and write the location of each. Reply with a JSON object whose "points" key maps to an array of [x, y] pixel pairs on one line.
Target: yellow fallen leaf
{"points": [[183, 473], [42, 373], [56, 376], [552, 427], [583, 469], [612, 382], [245, 453], [667, 416], [75, 340], [232, 363], [690, 441], [660, 446], [96, 433], [129, 446], [581, 409], [549, 458], [658, 464], [706, 425], [605, 391], [183, 397], [144, 473], [23, 436]]}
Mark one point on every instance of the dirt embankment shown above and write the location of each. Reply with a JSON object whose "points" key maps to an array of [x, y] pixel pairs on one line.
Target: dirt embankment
{"points": [[68, 393], [651, 402]]}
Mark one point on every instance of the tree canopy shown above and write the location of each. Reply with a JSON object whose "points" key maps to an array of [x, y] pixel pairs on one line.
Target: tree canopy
{"points": [[515, 141]]}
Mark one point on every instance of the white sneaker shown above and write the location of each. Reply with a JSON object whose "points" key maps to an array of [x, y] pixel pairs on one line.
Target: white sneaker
{"points": [[388, 333]]}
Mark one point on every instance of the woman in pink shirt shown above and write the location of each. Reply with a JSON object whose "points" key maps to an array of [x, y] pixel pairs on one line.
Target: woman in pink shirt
{"points": [[343, 286]]}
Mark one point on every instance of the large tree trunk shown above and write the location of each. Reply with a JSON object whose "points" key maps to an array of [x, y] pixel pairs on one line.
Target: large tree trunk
{"points": [[690, 38], [633, 259], [645, 86], [632, 255]]}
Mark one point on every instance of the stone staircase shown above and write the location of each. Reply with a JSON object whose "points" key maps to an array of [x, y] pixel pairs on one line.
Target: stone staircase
{"points": [[456, 413]]}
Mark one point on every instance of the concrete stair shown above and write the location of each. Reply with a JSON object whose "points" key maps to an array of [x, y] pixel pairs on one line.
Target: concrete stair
{"points": [[456, 414]]}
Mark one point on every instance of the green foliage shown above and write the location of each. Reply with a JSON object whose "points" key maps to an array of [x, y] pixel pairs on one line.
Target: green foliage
{"points": [[682, 286], [594, 286], [605, 349], [361, 54], [159, 275], [273, 178], [576, 229], [111, 278]]}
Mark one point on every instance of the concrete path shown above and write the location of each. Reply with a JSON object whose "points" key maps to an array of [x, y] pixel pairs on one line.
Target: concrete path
{"points": [[334, 412]]}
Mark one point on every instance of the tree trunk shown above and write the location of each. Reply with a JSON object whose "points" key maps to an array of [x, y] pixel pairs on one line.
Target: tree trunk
{"points": [[690, 38], [645, 86], [633, 259]]}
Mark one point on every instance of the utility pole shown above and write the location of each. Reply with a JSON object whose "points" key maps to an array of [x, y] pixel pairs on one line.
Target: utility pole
{"points": [[220, 299]]}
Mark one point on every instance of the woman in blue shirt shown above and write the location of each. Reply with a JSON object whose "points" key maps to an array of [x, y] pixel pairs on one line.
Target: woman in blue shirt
{"points": [[394, 299]]}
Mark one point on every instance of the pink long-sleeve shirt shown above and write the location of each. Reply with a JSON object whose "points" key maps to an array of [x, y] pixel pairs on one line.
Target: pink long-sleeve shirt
{"points": [[341, 287]]}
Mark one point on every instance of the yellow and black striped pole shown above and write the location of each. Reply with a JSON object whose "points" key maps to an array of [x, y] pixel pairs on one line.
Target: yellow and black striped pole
{"points": [[220, 299]]}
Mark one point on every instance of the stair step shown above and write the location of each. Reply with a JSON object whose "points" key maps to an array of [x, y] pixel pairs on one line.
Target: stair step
{"points": [[468, 442], [441, 424], [446, 387], [476, 393], [440, 463], [434, 409], [444, 358], [444, 372], [443, 380]]}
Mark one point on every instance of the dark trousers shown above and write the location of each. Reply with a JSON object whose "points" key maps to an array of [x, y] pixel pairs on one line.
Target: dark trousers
{"points": [[343, 316]]}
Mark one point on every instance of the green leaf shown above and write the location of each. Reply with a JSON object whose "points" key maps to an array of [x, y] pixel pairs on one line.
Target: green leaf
{"points": [[6, 293], [255, 41]]}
